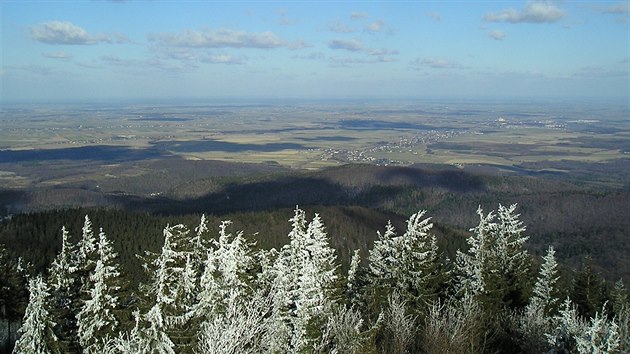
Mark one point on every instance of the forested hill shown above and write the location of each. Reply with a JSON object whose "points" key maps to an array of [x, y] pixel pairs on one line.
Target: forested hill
{"points": [[209, 289], [579, 219]]}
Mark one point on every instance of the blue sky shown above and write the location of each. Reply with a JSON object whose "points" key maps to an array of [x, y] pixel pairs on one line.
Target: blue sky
{"points": [[86, 50]]}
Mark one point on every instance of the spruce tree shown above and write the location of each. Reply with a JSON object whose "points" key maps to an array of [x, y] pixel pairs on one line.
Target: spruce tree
{"points": [[408, 264], [306, 283], [13, 292], [545, 290], [36, 334], [588, 290], [494, 270], [65, 291], [96, 319], [165, 269]]}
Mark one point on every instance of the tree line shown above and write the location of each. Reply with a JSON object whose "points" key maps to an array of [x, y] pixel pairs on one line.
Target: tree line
{"points": [[218, 292]]}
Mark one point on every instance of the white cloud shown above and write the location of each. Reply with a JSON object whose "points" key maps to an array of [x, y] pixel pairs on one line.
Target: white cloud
{"points": [[381, 52], [533, 12], [339, 27], [435, 16], [618, 9], [221, 59], [438, 63], [40, 70], [358, 15], [62, 32], [58, 55], [375, 27], [497, 35], [621, 10], [353, 45], [144, 66], [221, 38]]}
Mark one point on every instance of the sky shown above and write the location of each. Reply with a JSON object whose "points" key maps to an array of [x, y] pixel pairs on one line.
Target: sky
{"points": [[100, 50]]}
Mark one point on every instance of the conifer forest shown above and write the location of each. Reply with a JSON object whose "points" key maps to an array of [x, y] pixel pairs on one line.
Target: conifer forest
{"points": [[210, 289]]}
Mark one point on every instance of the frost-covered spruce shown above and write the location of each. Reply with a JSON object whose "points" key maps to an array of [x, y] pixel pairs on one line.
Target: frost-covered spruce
{"points": [[307, 276], [165, 269], [65, 285], [545, 292], [36, 333], [494, 269], [537, 317], [599, 335], [63, 267], [408, 264], [86, 249], [225, 272], [96, 320]]}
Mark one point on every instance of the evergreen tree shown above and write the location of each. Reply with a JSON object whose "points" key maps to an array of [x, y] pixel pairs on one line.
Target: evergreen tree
{"points": [[352, 283], [537, 317], [241, 327], [86, 250], [495, 268], [13, 293], [588, 290], [306, 282], [162, 292], [65, 288], [545, 290], [600, 336], [96, 320], [62, 270], [408, 265], [619, 297], [224, 271], [597, 335], [36, 334]]}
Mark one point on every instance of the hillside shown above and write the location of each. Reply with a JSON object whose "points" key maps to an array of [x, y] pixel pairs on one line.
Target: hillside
{"points": [[579, 219]]}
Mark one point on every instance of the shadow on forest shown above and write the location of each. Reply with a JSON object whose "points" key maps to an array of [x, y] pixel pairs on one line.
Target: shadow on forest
{"points": [[287, 192], [104, 153]]}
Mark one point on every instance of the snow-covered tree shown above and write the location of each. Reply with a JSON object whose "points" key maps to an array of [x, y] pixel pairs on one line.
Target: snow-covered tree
{"points": [[65, 291], [408, 264], [599, 335], [619, 297], [399, 325], [36, 333], [241, 327], [494, 270], [225, 271], [344, 332], [86, 248], [166, 269], [454, 327], [63, 267], [545, 291], [127, 342], [305, 284], [352, 282], [96, 320]]}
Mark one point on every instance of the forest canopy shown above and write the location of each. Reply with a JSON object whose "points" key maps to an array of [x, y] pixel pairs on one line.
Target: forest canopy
{"points": [[208, 291]]}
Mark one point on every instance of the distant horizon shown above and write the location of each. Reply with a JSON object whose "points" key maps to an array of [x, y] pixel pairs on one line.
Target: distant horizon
{"points": [[194, 101], [109, 50]]}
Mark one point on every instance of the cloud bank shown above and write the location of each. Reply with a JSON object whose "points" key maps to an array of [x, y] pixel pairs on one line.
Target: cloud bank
{"points": [[353, 45], [63, 32], [222, 38], [497, 35], [533, 12]]}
